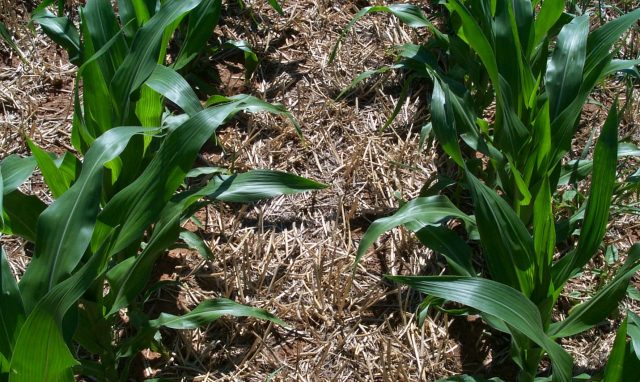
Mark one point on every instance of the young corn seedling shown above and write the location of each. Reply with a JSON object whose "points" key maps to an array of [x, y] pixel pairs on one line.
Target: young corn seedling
{"points": [[538, 66], [118, 209]]}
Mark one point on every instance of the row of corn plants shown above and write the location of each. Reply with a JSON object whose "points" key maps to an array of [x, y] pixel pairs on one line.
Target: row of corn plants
{"points": [[121, 199], [510, 257]]}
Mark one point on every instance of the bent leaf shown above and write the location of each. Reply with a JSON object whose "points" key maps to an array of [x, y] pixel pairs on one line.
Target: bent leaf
{"points": [[498, 300]]}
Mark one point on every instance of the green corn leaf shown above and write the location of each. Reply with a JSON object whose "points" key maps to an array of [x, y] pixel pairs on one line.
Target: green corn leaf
{"points": [[149, 108], [449, 245], [102, 29], [614, 370], [508, 246], [469, 378], [363, 76], [41, 353], [599, 201], [201, 23], [206, 312], [599, 44], [174, 87], [62, 31], [6, 36], [257, 185], [510, 135], [407, 13], [624, 66], [498, 300], [544, 240], [127, 16], [602, 39], [275, 5], [96, 116], [605, 301], [250, 56], [11, 310], [415, 215], [65, 227], [46, 3], [576, 170], [477, 40], [193, 241], [564, 71], [508, 48], [15, 171], [69, 167], [21, 213], [209, 311], [444, 123], [129, 282], [633, 330], [550, 12], [53, 176], [1, 202], [140, 203], [142, 59]]}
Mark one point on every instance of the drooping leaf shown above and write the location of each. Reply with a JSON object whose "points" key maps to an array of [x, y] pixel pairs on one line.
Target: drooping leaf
{"points": [[407, 13], [209, 311], [52, 175], [193, 241], [129, 281], [62, 31], [174, 87], [498, 300], [15, 171], [7, 37], [257, 185], [451, 246], [598, 307], [415, 215], [21, 213]]}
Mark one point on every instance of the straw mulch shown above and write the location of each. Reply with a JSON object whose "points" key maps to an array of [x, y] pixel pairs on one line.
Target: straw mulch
{"points": [[294, 255]]}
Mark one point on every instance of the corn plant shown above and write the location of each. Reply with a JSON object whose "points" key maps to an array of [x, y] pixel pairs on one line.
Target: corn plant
{"points": [[120, 206], [538, 66]]}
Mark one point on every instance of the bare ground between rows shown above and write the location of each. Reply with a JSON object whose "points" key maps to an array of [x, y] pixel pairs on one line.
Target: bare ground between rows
{"points": [[293, 255]]}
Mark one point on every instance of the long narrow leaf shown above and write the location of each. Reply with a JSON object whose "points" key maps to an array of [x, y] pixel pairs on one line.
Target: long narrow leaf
{"points": [[174, 87], [11, 310], [598, 307], [415, 214], [507, 244], [498, 300], [201, 23], [21, 213], [599, 202], [130, 280], [65, 227], [564, 71], [142, 60]]}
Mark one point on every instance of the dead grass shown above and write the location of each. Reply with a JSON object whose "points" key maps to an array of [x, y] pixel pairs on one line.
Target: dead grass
{"points": [[294, 255]]}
